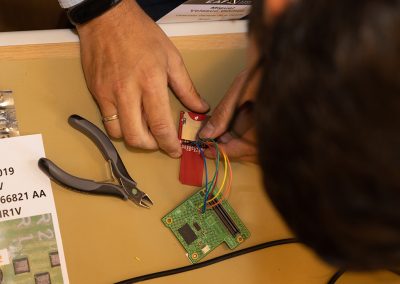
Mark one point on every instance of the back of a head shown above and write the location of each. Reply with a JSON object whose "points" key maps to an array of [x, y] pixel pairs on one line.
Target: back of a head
{"points": [[328, 114]]}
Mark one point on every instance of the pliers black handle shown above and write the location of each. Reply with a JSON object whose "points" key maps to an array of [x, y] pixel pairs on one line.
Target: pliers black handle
{"points": [[79, 184], [127, 188]]}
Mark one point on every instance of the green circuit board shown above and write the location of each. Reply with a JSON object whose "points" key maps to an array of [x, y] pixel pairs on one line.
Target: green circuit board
{"points": [[200, 233]]}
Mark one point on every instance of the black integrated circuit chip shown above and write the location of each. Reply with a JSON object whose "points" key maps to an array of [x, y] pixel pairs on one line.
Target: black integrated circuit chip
{"points": [[196, 226], [187, 234], [54, 259], [21, 265], [42, 278]]}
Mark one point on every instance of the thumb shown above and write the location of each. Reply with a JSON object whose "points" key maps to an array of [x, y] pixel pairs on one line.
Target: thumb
{"points": [[219, 120], [222, 114]]}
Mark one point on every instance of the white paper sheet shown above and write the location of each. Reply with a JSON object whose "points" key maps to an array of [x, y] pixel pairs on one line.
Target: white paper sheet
{"points": [[29, 231]]}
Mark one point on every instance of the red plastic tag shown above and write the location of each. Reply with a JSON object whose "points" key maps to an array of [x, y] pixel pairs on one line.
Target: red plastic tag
{"points": [[191, 168]]}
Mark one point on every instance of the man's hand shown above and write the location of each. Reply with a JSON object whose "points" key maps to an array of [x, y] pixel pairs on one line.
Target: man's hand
{"points": [[128, 63], [217, 125]]}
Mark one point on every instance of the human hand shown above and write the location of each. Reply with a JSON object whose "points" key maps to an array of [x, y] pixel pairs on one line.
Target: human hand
{"points": [[241, 148], [128, 64]]}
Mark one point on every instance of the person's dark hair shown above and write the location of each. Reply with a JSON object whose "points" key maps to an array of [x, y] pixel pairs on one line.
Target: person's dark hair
{"points": [[328, 126]]}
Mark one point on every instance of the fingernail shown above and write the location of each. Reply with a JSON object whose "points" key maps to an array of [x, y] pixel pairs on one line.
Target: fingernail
{"points": [[205, 104], [207, 131], [225, 138]]}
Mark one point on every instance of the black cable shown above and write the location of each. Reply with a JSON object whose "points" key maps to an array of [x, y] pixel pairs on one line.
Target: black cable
{"points": [[208, 262], [340, 272], [336, 276], [395, 271]]}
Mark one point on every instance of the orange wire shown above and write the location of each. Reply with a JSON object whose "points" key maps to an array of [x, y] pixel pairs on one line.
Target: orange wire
{"points": [[228, 188]]}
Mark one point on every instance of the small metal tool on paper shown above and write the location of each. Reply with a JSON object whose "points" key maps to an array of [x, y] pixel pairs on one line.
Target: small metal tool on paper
{"points": [[126, 187]]}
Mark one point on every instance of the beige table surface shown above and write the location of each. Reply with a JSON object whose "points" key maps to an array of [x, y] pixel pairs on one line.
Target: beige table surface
{"points": [[106, 239]]}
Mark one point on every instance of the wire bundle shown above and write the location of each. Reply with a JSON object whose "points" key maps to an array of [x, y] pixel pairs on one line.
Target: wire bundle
{"points": [[214, 194]]}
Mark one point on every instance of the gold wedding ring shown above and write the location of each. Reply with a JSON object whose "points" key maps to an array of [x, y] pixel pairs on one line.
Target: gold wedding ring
{"points": [[110, 118]]}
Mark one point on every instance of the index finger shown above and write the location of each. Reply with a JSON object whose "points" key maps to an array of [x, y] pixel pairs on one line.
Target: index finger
{"points": [[159, 118], [183, 86], [236, 149], [223, 112]]}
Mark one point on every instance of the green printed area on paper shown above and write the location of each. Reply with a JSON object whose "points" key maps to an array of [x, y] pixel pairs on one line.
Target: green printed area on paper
{"points": [[28, 251]]}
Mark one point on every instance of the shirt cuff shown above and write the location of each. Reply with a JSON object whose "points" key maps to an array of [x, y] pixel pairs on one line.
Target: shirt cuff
{"points": [[69, 3]]}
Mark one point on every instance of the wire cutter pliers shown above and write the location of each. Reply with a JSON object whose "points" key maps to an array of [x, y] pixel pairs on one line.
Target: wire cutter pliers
{"points": [[126, 187]]}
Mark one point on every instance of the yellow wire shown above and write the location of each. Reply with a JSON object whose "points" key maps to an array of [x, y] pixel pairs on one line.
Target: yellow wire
{"points": [[224, 179]]}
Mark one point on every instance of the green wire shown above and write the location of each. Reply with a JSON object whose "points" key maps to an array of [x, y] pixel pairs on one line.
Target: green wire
{"points": [[217, 162], [213, 181]]}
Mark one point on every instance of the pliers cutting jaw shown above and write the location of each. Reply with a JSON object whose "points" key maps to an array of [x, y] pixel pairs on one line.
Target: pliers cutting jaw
{"points": [[126, 187], [129, 185]]}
